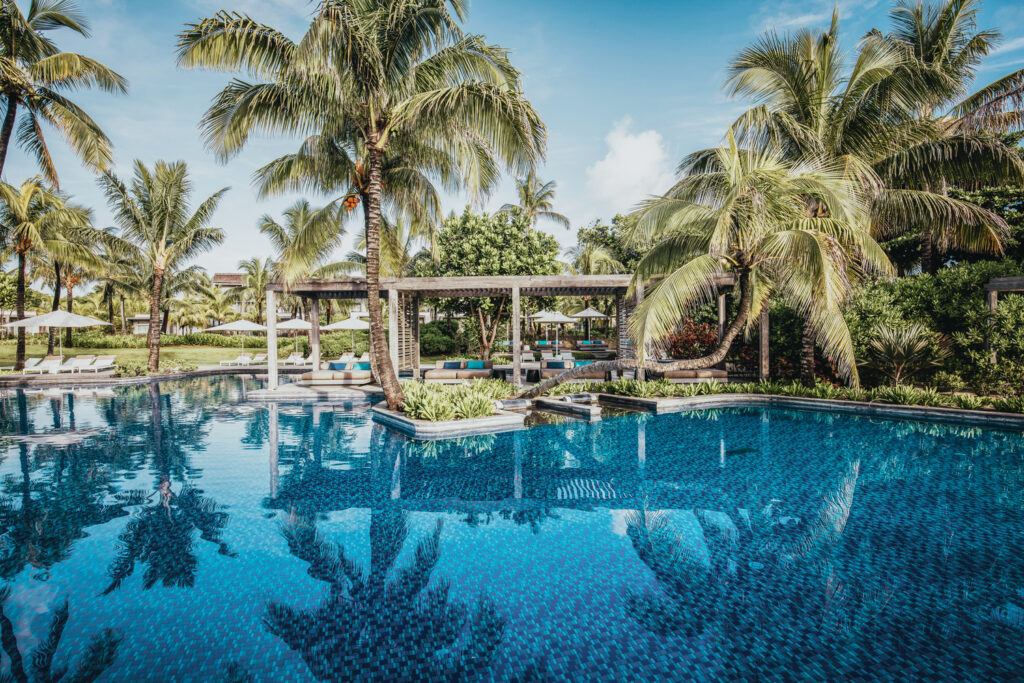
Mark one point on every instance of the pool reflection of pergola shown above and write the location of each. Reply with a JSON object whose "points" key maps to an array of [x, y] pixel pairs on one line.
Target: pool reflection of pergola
{"points": [[404, 295]]}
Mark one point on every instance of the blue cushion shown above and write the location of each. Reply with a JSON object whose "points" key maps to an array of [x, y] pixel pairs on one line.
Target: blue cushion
{"points": [[335, 365], [542, 343], [452, 365], [584, 362], [359, 366], [475, 365], [555, 365], [585, 343]]}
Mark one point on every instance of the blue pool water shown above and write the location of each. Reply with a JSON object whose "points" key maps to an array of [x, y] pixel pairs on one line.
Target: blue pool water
{"points": [[176, 532]]}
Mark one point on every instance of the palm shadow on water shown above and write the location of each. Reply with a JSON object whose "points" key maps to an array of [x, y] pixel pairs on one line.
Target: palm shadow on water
{"points": [[97, 657]]}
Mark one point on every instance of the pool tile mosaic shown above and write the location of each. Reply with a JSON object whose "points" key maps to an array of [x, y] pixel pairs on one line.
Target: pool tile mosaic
{"points": [[175, 532]]}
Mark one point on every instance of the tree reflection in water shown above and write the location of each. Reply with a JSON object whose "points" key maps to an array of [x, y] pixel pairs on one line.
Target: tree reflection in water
{"points": [[368, 626], [97, 657], [160, 535]]}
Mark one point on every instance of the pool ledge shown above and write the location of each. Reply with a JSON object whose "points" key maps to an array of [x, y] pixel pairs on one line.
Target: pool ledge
{"points": [[680, 404], [421, 430]]}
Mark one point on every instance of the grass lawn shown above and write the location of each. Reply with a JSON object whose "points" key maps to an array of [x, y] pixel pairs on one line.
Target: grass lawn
{"points": [[169, 355]]}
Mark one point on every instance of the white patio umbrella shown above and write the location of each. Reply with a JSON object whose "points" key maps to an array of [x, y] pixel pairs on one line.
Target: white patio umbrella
{"points": [[295, 324], [57, 319], [536, 318], [352, 323], [238, 326], [556, 318], [589, 314]]}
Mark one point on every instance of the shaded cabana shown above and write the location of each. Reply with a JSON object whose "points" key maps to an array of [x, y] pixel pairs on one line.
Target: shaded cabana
{"points": [[404, 295]]}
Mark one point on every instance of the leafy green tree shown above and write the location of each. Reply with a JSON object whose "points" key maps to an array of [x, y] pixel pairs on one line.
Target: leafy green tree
{"points": [[372, 75], [612, 238], [34, 220], [490, 244], [155, 217], [537, 201], [34, 76]]}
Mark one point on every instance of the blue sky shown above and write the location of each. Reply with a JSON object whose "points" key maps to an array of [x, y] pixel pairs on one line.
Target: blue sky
{"points": [[625, 89]]}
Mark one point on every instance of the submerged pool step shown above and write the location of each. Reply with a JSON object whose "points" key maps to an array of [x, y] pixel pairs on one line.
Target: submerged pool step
{"points": [[573, 405]]}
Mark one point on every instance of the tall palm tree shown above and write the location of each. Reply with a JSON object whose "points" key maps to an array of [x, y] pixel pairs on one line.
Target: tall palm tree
{"points": [[155, 216], [372, 73], [33, 77], [398, 252], [745, 213], [305, 240], [35, 219], [537, 200], [113, 276], [255, 277], [871, 118]]}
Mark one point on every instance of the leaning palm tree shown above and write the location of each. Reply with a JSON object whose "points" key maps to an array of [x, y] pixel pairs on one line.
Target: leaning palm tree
{"points": [[537, 200], [372, 74], [154, 215], [34, 76], [745, 214], [35, 219], [873, 118]]}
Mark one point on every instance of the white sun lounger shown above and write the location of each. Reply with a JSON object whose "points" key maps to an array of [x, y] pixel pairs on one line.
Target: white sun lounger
{"points": [[99, 365], [242, 359], [47, 364], [76, 364]]}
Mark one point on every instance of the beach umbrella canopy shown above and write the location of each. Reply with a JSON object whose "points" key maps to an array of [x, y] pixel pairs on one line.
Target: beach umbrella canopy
{"points": [[589, 314], [351, 323], [238, 326], [295, 324], [540, 314], [555, 318], [57, 319]]}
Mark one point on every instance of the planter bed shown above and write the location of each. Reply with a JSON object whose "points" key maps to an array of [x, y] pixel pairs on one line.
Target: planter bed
{"points": [[422, 430]]}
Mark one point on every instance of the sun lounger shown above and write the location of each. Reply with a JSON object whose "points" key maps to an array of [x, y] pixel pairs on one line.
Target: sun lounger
{"points": [[242, 359], [100, 364], [29, 364], [47, 364], [76, 364], [292, 359], [259, 358]]}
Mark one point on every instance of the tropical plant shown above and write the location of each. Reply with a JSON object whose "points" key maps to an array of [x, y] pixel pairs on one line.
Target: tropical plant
{"points": [[900, 353], [537, 201], [155, 217], [253, 290], [304, 242], [371, 76], [745, 212], [34, 76], [34, 220]]}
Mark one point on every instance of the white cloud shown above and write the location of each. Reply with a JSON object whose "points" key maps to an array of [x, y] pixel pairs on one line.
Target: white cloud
{"points": [[636, 166], [1009, 46], [788, 16]]}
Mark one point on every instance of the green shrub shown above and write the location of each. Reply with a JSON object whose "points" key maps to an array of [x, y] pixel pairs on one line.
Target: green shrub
{"points": [[468, 405], [968, 401], [1012, 404], [437, 339], [130, 368], [429, 406], [901, 352], [439, 402]]}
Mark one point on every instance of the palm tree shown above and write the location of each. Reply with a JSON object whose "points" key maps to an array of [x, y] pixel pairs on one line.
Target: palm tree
{"points": [[113, 275], [304, 242], [537, 200], [255, 277], [868, 118], [374, 74], [745, 213], [36, 219], [154, 215], [34, 75], [398, 253]]}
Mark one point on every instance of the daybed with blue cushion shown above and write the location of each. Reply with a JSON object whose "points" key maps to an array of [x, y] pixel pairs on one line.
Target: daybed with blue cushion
{"points": [[553, 368], [352, 373], [455, 371]]}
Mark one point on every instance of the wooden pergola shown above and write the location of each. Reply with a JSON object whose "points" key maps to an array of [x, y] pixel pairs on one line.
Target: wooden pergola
{"points": [[992, 288], [404, 295]]}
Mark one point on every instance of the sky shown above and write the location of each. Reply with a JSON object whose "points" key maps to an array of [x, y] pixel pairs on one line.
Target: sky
{"points": [[626, 89]]}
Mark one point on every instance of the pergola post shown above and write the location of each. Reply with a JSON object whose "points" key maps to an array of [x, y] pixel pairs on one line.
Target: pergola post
{"points": [[721, 321], [993, 303], [272, 339], [414, 325], [517, 359], [393, 327], [640, 374], [314, 333], [763, 368]]}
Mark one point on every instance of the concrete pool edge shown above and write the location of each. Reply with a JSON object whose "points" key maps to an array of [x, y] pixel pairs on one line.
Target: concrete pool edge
{"points": [[678, 404], [422, 430]]}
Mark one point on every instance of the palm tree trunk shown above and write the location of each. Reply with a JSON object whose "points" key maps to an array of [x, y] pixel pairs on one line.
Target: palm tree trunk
{"points": [[124, 319], [166, 321], [929, 259], [19, 305], [67, 332], [153, 333], [8, 128], [378, 348], [110, 312], [807, 355], [54, 307]]}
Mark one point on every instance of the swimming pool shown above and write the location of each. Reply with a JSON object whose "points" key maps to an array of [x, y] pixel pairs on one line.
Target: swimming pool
{"points": [[192, 535]]}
